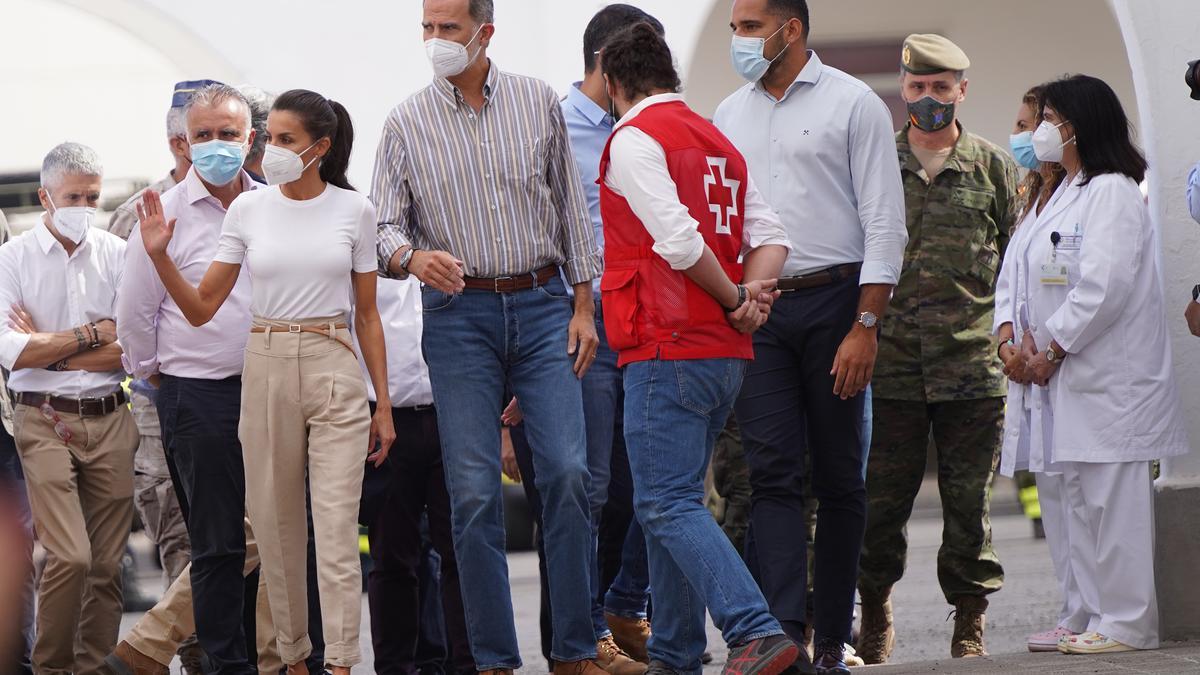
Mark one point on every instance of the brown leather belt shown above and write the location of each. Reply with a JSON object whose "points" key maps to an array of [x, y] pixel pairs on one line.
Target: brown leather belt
{"points": [[84, 407], [818, 279], [318, 330], [522, 282]]}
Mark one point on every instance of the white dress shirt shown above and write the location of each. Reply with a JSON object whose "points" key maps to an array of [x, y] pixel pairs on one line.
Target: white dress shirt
{"points": [[399, 305], [155, 334], [638, 172], [60, 292], [825, 158]]}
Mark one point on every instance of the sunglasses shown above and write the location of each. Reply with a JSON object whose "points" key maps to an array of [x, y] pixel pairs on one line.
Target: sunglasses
{"points": [[60, 427]]}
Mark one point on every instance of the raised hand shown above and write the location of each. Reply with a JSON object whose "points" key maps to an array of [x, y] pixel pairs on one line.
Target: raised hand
{"points": [[156, 231]]}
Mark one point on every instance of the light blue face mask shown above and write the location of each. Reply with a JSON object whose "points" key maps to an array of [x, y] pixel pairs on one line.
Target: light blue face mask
{"points": [[1022, 150], [218, 162], [747, 55]]}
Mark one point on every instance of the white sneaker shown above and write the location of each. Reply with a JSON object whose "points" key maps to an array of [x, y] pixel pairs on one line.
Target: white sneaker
{"points": [[850, 657], [1093, 643], [1047, 641]]}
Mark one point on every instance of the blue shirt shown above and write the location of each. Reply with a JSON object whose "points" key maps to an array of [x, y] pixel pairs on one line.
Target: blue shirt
{"points": [[588, 126]]}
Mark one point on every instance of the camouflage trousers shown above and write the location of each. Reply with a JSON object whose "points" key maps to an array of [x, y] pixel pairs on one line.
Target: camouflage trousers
{"points": [[967, 438], [158, 507], [731, 483]]}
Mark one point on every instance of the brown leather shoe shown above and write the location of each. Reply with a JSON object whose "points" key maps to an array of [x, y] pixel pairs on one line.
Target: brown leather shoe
{"points": [[877, 637], [969, 618], [584, 667], [125, 660], [610, 657], [630, 635]]}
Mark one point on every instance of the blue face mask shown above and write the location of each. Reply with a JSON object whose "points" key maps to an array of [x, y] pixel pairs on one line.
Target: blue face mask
{"points": [[1022, 149], [1193, 193], [218, 162], [747, 55]]}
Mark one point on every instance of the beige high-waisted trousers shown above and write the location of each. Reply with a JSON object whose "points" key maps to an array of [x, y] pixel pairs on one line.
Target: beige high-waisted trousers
{"points": [[304, 410]]}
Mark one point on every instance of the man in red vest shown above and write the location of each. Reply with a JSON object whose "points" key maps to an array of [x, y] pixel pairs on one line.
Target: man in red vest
{"points": [[680, 218]]}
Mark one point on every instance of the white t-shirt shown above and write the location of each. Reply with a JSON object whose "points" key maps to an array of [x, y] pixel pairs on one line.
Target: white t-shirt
{"points": [[300, 253]]}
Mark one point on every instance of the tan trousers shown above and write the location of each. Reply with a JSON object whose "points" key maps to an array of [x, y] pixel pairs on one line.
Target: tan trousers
{"points": [[304, 408], [168, 624], [81, 496]]}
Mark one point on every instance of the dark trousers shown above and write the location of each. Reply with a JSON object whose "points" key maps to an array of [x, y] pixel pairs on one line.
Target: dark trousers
{"points": [[410, 485], [14, 503], [786, 410], [199, 421]]}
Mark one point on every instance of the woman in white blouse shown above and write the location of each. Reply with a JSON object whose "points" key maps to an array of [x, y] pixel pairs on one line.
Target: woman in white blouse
{"points": [[1100, 357], [309, 241]]}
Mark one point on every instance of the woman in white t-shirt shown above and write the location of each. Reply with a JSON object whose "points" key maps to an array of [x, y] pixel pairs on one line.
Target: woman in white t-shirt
{"points": [[309, 241]]}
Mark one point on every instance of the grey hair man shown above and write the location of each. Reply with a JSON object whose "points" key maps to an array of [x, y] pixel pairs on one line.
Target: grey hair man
{"points": [[260, 105], [73, 431]]}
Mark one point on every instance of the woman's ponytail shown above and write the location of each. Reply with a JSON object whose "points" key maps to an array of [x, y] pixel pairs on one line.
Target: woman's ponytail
{"points": [[323, 118]]}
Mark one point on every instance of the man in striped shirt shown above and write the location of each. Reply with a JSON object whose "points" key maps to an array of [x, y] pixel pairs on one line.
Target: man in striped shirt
{"points": [[479, 197]]}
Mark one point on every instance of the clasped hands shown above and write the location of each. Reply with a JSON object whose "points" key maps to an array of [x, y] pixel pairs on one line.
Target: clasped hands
{"points": [[752, 314], [1026, 364]]}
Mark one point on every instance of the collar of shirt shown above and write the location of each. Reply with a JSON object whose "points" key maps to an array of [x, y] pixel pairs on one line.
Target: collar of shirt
{"points": [[809, 74], [46, 240], [587, 108], [453, 96], [196, 190], [646, 103], [966, 152]]}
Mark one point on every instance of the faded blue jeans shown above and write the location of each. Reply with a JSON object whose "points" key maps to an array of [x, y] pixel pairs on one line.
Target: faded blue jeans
{"points": [[674, 411], [477, 344]]}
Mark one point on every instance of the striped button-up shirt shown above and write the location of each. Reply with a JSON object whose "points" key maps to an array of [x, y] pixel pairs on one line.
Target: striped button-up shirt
{"points": [[497, 188]]}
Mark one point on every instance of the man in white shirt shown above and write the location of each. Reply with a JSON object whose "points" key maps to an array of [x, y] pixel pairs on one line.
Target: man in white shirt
{"points": [[821, 149], [72, 428], [396, 495]]}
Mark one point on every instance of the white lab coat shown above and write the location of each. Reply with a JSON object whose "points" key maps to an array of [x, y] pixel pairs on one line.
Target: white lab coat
{"points": [[1116, 399], [1028, 417]]}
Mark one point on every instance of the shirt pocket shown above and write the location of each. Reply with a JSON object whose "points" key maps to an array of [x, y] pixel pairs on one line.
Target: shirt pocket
{"points": [[979, 251], [520, 162]]}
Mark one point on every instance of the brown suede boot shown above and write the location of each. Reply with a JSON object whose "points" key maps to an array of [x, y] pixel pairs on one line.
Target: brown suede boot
{"points": [[584, 667], [877, 635], [630, 635], [125, 660], [497, 671], [969, 616], [610, 657]]}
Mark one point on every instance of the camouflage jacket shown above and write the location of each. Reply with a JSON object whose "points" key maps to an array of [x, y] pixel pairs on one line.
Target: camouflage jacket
{"points": [[935, 342]]}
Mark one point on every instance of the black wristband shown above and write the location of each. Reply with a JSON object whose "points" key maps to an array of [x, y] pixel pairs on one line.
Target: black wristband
{"points": [[96, 344], [741, 300]]}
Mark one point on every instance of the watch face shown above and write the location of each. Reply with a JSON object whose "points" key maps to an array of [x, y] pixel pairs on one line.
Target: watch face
{"points": [[868, 320]]}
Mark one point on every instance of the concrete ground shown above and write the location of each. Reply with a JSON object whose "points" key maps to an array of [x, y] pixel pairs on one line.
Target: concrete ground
{"points": [[1028, 603]]}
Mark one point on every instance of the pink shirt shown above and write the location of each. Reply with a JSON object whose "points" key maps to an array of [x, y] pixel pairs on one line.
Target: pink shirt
{"points": [[154, 333]]}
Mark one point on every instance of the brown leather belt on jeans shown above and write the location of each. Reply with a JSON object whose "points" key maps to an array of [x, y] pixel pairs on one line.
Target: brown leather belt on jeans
{"points": [[325, 330], [523, 282], [84, 407], [818, 279]]}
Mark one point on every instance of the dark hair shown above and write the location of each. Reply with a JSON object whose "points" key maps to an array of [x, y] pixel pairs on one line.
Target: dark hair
{"points": [[639, 61], [791, 9], [1102, 130], [607, 23], [1040, 183], [323, 118]]}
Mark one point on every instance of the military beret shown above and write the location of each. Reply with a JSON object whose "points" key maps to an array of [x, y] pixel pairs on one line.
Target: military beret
{"points": [[184, 90], [928, 54]]}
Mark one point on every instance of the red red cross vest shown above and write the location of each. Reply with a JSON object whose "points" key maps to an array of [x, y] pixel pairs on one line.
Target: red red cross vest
{"points": [[650, 310]]}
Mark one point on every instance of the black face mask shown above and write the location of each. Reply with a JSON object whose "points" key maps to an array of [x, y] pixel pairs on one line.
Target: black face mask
{"points": [[929, 114], [1191, 79]]}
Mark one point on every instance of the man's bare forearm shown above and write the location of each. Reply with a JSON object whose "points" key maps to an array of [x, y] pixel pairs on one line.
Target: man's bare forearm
{"points": [[585, 301], [44, 349], [103, 360], [874, 298]]}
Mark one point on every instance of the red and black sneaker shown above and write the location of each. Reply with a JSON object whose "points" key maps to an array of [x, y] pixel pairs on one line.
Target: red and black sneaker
{"points": [[770, 655]]}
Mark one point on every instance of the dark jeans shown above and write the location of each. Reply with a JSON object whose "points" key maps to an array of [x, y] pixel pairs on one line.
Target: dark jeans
{"points": [[410, 485], [12, 484], [786, 410], [199, 421]]}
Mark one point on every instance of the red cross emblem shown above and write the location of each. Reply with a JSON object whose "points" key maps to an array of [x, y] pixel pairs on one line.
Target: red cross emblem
{"points": [[722, 194]]}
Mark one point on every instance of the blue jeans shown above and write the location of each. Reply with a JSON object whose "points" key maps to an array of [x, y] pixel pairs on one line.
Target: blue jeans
{"points": [[603, 410], [674, 411], [476, 343]]}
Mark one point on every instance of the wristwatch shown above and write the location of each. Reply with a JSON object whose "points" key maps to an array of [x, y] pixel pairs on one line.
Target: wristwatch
{"points": [[406, 258], [741, 300], [868, 319], [1052, 356], [1196, 293]]}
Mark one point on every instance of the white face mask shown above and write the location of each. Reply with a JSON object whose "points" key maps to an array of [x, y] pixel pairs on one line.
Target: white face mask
{"points": [[72, 222], [449, 58], [1048, 143], [281, 165]]}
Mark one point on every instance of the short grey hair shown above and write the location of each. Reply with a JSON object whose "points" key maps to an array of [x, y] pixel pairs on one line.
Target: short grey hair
{"points": [[215, 94], [176, 123], [260, 105], [483, 11], [69, 159]]}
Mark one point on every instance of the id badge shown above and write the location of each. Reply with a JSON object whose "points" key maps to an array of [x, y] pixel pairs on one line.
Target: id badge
{"points": [[1054, 274]]}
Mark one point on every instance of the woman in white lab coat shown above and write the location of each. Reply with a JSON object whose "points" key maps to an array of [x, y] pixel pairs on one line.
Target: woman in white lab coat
{"points": [[1029, 419], [1103, 356]]}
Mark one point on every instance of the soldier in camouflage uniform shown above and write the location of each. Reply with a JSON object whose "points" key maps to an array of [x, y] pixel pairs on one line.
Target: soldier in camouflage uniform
{"points": [[938, 372]]}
